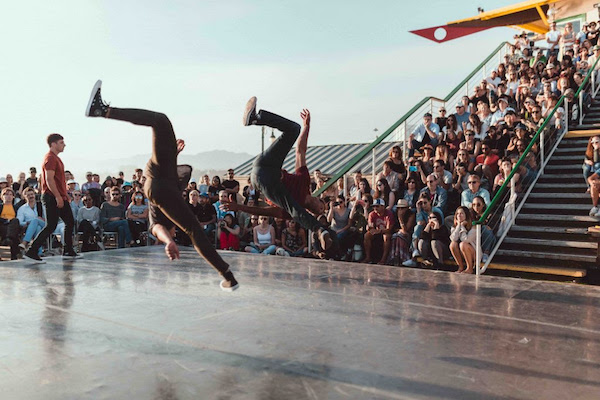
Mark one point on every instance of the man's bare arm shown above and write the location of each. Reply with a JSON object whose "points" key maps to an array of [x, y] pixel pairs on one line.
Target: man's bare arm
{"points": [[303, 139]]}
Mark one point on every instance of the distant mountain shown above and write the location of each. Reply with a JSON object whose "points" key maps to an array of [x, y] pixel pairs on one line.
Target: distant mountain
{"points": [[211, 162]]}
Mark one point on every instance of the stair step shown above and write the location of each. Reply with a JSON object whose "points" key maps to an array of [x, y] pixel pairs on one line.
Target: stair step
{"points": [[538, 269], [563, 218], [549, 229], [570, 167], [561, 195], [587, 127], [574, 142], [549, 175], [571, 187], [579, 158], [550, 256], [576, 208], [570, 150], [552, 243]]}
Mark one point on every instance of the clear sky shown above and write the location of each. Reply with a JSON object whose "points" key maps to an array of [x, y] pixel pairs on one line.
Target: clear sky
{"points": [[353, 64]]}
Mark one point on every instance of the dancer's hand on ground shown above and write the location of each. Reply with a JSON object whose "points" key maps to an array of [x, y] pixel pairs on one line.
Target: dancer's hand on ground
{"points": [[305, 115], [180, 145], [172, 251]]}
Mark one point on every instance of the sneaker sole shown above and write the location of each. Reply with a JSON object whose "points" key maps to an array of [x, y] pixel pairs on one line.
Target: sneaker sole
{"points": [[226, 289], [73, 257], [97, 86], [250, 107], [33, 260]]}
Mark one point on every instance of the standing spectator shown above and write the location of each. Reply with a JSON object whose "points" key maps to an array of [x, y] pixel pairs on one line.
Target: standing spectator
{"points": [[293, 240], [20, 185], [264, 238], [231, 185], [427, 132], [90, 183], [251, 191], [462, 240], [31, 218], [32, 181], [9, 223], [112, 217], [379, 227], [55, 199], [230, 231], [204, 184], [108, 182], [137, 217], [553, 39]]}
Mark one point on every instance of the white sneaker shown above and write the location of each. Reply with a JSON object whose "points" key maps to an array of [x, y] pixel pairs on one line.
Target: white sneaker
{"points": [[410, 263], [594, 211], [484, 258], [416, 253]]}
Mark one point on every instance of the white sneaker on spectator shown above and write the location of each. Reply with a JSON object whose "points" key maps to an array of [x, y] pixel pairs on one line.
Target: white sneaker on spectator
{"points": [[484, 258], [410, 263], [415, 253], [597, 214], [594, 212]]}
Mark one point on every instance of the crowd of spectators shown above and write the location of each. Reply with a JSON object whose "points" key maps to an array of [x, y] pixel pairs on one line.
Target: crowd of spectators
{"points": [[422, 206]]}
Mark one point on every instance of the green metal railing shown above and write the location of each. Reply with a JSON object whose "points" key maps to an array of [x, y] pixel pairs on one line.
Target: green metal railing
{"points": [[404, 118], [536, 138]]}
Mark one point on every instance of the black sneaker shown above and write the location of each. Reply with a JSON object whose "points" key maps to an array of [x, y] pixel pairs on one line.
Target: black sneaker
{"points": [[96, 107], [250, 112], [71, 254], [229, 284], [34, 257]]}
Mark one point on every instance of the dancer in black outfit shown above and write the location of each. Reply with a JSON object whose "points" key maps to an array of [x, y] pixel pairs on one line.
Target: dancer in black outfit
{"points": [[168, 207]]}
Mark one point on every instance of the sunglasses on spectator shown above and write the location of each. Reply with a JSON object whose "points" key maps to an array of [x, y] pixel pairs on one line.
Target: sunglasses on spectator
{"points": [[431, 180], [469, 134], [115, 194], [470, 182]]}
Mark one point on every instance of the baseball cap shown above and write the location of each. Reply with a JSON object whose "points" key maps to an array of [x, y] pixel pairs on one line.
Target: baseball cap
{"points": [[203, 194], [71, 181], [3, 179], [193, 180], [379, 202], [127, 184]]}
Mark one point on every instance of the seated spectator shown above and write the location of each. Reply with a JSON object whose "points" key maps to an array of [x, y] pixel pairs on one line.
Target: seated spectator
{"points": [[137, 217], [364, 188], [251, 191], [434, 241], [9, 224], [204, 184], [427, 158], [230, 231], [441, 119], [353, 192], [247, 235], [90, 183], [206, 214], [76, 203], [360, 212], [293, 240], [397, 166], [474, 190], [392, 178], [32, 181], [192, 185], [471, 145], [594, 182], [384, 192], [88, 223], [442, 152], [20, 185], [3, 183], [436, 193], [460, 178], [264, 238], [223, 198], [379, 227], [425, 133], [424, 209], [444, 176], [487, 162], [505, 169], [411, 194], [462, 240], [488, 239], [401, 239], [31, 218], [339, 219], [318, 250], [126, 193], [528, 169], [112, 217], [108, 183], [279, 225], [591, 162]]}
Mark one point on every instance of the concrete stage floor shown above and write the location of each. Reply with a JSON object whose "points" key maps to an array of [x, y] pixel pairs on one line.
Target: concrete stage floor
{"points": [[127, 324]]}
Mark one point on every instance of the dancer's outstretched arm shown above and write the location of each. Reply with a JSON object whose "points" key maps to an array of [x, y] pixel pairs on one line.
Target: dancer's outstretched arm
{"points": [[303, 139], [274, 212]]}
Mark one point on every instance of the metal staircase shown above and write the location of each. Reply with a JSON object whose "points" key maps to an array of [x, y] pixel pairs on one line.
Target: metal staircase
{"points": [[551, 228]]}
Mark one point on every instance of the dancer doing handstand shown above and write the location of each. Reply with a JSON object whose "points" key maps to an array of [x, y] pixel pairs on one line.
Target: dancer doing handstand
{"points": [[168, 207], [288, 194]]}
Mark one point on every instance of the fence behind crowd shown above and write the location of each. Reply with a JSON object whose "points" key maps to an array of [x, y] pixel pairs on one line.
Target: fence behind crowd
{"points": [[400, 130], [502, 211]]}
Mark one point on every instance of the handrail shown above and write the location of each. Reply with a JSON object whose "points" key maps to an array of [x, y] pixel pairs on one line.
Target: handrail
{"points": [[496, 198], [402, 119]]}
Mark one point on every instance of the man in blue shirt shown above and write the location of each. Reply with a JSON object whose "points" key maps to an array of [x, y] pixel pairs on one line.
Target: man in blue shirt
{"points": [[425, 133]]}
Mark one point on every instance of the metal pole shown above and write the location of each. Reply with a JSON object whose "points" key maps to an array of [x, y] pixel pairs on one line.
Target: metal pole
{"points": [[478, 249], [346, 191], [581, 106], [262, 142], [566, 114], [404, 145], [431, 107], [373, 168], [542, 149]]}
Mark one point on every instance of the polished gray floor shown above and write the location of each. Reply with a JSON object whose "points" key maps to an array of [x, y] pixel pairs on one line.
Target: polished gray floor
{"points": [[128, 324]]}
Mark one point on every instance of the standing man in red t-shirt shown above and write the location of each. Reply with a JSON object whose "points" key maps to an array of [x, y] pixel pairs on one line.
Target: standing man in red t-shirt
{"points": [[289, 193], [55, 199]]}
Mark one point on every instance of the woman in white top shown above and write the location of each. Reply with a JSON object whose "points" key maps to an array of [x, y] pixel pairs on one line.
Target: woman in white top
{"points": [[264, 238], [462, 240]]}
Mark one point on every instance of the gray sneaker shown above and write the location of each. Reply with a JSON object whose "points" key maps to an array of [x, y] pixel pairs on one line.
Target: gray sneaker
{"points": [[250, 112], [410, 263]]}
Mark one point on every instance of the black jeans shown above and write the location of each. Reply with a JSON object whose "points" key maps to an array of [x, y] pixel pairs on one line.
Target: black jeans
{"points": [[266, 170], [52, 215], [87, 231], [161, 185], [9, 230]]}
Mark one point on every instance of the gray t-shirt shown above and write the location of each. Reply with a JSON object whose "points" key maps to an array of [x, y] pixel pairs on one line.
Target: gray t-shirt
{"points": [[107, 212], [138, 210], [340, 221]]}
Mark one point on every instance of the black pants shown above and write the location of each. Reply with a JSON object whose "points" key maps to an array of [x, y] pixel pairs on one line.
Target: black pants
{"points": [[137, 228], [161, 185], [266, 170], [87, 231], [52, 215], [10, 230]]}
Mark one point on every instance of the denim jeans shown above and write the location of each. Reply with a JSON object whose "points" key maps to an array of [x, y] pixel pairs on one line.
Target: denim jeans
{"points": [[33, 229], [269, 250], [122, 228]]}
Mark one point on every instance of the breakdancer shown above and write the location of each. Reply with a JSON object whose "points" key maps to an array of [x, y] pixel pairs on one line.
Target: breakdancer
{"points": [[161, 185], [289, 194]]}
